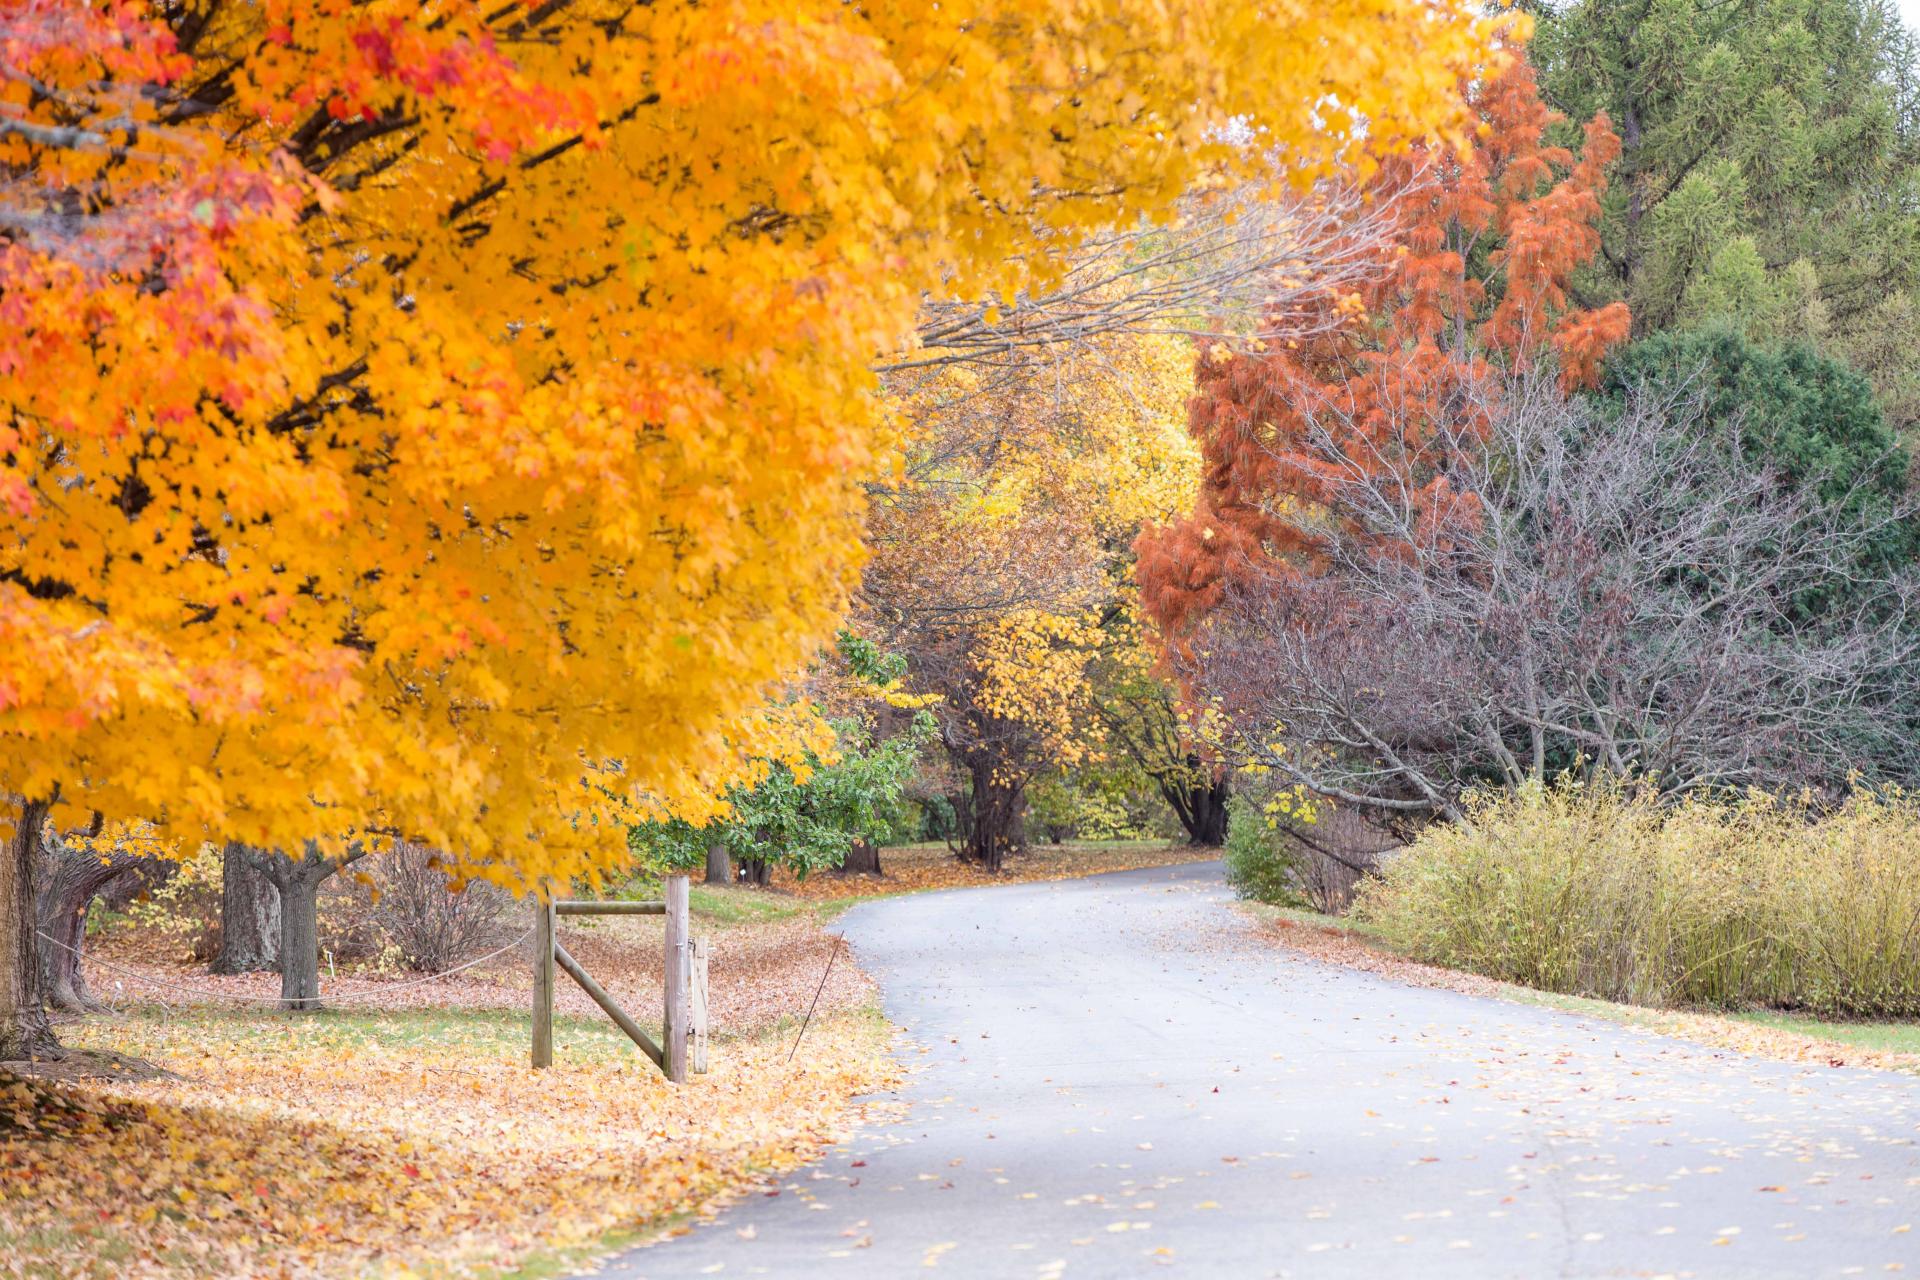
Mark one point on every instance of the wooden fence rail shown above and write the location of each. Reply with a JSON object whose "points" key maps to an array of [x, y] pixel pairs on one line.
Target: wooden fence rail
{"points": [[684, 1028]]}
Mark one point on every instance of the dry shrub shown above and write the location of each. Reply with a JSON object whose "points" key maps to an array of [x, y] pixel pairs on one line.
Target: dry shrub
{"points": [[1594, 891], [350, 931], [435, 927], [180, 915]]}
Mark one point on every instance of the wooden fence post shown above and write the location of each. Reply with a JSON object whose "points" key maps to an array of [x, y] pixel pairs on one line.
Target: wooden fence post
{"points": [[678, 965], [542, 984], [697, 1009]]}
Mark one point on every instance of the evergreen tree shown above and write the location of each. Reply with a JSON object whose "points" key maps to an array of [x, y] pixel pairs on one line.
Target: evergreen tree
{"points": [[1770, 170], [1809, 418]]}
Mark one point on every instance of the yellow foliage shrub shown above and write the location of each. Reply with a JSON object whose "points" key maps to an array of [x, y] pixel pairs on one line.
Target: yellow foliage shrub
{"points": [[1598, 891]]}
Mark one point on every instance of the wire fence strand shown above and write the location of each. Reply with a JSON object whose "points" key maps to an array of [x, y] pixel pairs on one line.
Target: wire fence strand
{"points": [[336, 996], [824, 973]]}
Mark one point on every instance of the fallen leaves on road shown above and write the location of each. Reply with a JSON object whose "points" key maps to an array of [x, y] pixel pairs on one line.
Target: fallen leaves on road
{"points": [[913, 869]]}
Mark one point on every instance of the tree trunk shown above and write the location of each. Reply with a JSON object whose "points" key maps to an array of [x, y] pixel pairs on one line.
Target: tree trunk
{"points": [[24, 1032], [861, 860], [249, 917], [997, 813], [962, 833], [69, 880], [719, 870], [299, 887], [300, 943], [1201, 810]]}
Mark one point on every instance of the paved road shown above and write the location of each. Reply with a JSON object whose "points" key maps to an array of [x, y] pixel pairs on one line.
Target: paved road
{"points": [[1120, 1080]]}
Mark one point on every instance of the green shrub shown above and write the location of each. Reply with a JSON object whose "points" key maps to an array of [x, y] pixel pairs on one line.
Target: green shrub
{"points": [[1259, 864], [1593, 891]]}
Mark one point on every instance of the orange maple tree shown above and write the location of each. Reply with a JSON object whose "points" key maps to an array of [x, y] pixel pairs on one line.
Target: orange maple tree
{"points": [[1475, 281]]}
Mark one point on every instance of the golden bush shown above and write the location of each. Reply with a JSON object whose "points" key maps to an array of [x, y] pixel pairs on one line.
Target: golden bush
{"points": [[1601, 891]]}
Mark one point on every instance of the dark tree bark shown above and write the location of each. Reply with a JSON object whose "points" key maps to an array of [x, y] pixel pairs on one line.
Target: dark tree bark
{"points": [[299, 884], [151, 874], [719, 869], [1201, 810], [69, 880], [249, 916], [862, 860], [24, 1031], [962, 832], [997, 819]]}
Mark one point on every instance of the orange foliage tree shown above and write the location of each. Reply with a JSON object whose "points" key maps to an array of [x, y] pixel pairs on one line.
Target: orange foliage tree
{"points": [[1475, 280], [454, 426]]}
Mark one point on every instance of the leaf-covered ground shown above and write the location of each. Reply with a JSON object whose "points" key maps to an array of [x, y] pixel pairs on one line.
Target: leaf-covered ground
{"points": [[767, 959], [415, 1140], [1773, 1035], [918, 867]]}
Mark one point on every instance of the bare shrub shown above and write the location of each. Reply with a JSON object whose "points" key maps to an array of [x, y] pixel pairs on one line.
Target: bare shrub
{"points": [[349, 931], [1627, 594], [435, 927], [1339, 850]]}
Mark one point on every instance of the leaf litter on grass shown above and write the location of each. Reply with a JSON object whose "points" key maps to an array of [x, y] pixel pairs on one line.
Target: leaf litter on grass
{"points": [[417, 1141], [919, 868]]}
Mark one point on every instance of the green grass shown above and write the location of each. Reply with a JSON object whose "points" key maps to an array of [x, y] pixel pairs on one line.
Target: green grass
{"points": [[727, 905], [553, 1264], [23, 1245], [1882, 1037], [736, 906]]}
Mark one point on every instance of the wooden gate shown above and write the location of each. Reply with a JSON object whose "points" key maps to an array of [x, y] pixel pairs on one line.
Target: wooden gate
{"points": [[685, 1004]]}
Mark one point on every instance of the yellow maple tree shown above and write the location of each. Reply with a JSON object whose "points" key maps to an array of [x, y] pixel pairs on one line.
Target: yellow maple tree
{"points": [[999, 560], [486, 446]]}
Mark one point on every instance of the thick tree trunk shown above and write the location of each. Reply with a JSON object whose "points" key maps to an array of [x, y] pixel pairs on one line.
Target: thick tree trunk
{"points": [[1201, 810], [299, 886], [249, 916], [719, 870], [24, 1032], [300, 944], [862, 860], [997, 819], [69, 880], [1211, 830]]}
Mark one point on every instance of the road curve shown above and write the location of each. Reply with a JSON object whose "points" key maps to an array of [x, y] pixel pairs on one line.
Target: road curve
{"points": [[1121, 1079]]}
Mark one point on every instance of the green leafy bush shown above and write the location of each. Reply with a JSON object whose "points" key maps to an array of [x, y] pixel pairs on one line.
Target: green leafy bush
{"points": [[808, 825], [1087, 805], [1595, 891], [1260, 866]]}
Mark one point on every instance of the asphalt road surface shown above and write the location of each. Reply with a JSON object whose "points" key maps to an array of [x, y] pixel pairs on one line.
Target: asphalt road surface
{"points": [[1121, 1079]]}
